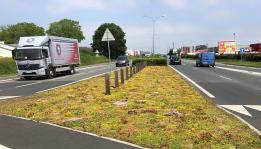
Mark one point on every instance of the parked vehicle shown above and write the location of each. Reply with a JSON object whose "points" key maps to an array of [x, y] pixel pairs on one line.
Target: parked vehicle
{"points": [[45, 56], [206, 59], [122, 61], [175, 60]]}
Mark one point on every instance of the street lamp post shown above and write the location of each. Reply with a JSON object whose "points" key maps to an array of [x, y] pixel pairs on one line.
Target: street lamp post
{"points": [[154, 20]]}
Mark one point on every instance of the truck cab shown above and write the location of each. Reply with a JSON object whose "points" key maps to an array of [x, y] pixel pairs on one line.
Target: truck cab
{"points": [[205, 59], [32, 61]]}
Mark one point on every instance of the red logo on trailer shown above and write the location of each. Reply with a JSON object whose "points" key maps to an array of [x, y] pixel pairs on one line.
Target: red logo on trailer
{"points": [[58, 49], [30, 40]]}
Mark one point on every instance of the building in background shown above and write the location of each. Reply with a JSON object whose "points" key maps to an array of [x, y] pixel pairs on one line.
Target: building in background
{"points": [[255, 48], [6, 50]]}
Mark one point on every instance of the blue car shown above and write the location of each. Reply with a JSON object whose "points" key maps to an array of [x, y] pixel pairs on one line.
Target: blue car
{"points": [[206, 59]]}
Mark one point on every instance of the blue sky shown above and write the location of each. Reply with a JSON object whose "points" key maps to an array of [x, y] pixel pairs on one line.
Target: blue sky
{"points": [[187, 22]]}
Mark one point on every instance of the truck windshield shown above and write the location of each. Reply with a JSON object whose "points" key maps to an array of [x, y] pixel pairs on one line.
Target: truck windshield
{"points": [[28, 54]]}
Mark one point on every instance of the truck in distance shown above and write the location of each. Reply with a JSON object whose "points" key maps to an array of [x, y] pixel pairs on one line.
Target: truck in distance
{"points": [[46, 56]]}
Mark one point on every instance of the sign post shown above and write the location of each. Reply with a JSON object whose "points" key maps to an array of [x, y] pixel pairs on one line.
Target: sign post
{"points": [[107, 36]]}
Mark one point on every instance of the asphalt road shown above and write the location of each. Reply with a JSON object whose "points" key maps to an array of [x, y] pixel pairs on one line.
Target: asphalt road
{"points": [[17, 87], [237, 89], [16, 133]]}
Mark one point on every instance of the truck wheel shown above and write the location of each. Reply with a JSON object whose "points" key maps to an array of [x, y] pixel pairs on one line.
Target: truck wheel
{"points": [[213, 65], [72, 70], [51, 73]]}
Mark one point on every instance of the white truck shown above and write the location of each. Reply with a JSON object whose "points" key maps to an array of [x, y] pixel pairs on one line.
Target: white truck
{"points": [[46, 56]]}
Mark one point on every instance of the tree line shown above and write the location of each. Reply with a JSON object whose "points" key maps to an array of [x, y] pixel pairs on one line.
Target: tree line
{"points": [[10, 34]]}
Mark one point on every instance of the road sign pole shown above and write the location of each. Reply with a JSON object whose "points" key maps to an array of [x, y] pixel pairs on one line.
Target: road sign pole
{"points": [[109, 50]]}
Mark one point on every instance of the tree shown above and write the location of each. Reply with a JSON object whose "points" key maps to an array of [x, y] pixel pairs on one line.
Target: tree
{"points": [[66, 28], [118, 47], [171, 52], [11, 33]]}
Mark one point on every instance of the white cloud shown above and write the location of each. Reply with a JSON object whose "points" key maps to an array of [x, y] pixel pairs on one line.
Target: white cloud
{"points": [[66, 6], [178, 4]]}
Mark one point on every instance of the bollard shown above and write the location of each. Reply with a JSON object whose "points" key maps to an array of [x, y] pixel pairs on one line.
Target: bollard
{"points": [[131, 71], [122, 76], [116, 78], [134, 70], [127, 73], [107, 84], [137, 68]]}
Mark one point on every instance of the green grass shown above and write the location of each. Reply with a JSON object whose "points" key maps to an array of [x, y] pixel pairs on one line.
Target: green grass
{"points": [[238, 62], [7, 66], [88, 58], [148, 96]]}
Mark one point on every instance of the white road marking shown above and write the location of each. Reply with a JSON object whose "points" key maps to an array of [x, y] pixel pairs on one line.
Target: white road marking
{"points": [[255, 107], [73, 82], [241, 119], [194, 83], [90, 67], [3, 147], [78, 131], [4, 81], [242, 71], [28, 84], [237, 108], [8, 97], [239, 66], [225, 78]]}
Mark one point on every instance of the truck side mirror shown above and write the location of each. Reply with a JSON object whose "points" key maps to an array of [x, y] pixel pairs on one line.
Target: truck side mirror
{"points": [[14, 53]]}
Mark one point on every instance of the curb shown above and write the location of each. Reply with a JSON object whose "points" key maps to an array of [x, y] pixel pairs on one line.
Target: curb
{"points": [[78, 131]]}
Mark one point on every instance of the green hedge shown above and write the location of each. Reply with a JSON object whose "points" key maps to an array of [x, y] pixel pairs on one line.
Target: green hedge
{"points": [[151, 61], [7, 66], [248, 57]]}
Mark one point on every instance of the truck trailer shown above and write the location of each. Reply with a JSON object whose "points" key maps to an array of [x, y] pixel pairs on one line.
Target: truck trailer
{"points": [[46, 56]]}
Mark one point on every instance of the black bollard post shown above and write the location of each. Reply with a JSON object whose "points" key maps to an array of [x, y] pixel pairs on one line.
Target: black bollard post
{"points": [[116, 78], [107, 84], [122, 76]]}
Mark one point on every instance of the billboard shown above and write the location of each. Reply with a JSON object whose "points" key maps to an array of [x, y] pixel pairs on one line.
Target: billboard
{"points": [[227, 47]]}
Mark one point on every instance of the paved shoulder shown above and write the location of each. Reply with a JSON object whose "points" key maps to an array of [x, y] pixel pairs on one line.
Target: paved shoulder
{"points": [[24, 134]]}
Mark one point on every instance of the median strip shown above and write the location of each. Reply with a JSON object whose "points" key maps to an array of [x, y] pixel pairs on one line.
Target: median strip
{"points": [[155, 108]]}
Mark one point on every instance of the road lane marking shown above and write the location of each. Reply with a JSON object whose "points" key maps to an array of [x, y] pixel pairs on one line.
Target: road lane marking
{"points": [[3, 147], [4, 81], [91, 67], [73, 82], [8, 97], [255, 107], [242, 71], [225, 78], [237, 108], [241, 119], [194, 83], [28, 84]]}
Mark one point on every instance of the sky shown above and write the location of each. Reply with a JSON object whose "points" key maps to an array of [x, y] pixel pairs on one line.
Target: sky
{"points": [[186, 22]]}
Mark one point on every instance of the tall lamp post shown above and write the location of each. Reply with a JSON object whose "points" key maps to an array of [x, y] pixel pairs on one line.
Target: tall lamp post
{"points": [[154, 20]]}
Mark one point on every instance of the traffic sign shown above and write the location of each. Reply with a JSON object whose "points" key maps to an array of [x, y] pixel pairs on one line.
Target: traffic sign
{"points": [[242, 50], [107, 36]]}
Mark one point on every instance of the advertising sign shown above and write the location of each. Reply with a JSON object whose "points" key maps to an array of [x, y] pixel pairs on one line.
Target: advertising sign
{"points": [[227, 47]]}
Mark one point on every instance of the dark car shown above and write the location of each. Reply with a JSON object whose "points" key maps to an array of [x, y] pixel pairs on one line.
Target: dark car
{"points": [[175, 60], [122, 61]]}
